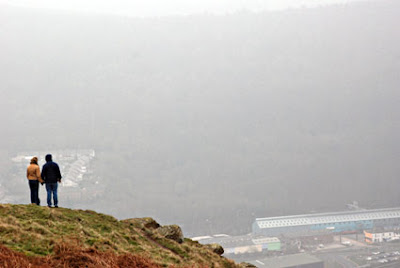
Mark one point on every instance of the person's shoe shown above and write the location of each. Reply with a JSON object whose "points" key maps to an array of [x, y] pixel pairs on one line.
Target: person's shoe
{"points": [[49, 206], [56, 206]]}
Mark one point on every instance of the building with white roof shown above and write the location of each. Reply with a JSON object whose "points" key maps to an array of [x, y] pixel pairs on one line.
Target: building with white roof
{"points": [[333, 222]]}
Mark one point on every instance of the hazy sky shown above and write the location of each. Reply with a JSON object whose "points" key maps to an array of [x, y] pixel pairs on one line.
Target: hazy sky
{"points": [[172, 7], [222, 118]]}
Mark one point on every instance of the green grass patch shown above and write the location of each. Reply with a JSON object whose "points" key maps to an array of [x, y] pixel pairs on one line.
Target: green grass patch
{"points": [[173, 246]]}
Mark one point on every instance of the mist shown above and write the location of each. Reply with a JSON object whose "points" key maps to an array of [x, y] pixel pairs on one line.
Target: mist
{"points": [[155, 8], [209, 120]]}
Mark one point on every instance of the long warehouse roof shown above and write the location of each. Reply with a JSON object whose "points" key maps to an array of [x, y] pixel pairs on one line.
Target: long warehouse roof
{"points": [[326, 218]]}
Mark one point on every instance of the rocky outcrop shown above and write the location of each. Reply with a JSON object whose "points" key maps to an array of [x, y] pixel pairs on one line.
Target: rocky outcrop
{"points": [[216, 248], [148, 223], [247, 265], [173, 232]]}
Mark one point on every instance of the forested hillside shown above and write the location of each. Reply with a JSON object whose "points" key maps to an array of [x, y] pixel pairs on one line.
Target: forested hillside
{"points": [[211, 121]]}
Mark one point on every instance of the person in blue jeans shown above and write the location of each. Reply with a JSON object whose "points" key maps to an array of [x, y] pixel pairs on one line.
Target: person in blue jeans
{"points": [[51, 175]]}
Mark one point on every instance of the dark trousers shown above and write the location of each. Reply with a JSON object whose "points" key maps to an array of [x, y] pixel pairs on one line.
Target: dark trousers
{"points": [[34, 186]]}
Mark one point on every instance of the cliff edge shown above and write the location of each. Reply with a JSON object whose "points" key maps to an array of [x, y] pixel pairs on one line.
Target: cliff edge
{"points": [[34, 236]]}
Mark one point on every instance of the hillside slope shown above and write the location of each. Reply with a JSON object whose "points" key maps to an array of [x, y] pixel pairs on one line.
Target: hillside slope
{"points": [[63, 237]]}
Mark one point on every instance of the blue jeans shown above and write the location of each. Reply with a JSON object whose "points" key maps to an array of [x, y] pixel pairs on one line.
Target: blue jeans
{"points": [[51, 188], [34, 186]]}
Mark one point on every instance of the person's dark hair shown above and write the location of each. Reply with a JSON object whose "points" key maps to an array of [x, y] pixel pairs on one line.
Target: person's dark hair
{"points": [[48, 158], [34, 160]]}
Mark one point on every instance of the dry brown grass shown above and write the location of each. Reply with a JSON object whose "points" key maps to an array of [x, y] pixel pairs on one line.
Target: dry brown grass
{"points": [[70, 256]]}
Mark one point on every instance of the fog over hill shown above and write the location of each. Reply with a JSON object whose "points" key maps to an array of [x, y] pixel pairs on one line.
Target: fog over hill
{"points": [[210, 121], [156, 8]]}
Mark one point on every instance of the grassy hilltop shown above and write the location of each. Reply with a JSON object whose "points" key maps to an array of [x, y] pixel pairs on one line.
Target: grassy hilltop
{"points": [[43, 237]]}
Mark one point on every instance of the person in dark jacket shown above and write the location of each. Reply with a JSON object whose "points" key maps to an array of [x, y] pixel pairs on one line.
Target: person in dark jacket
{"points": [[51, 175]]}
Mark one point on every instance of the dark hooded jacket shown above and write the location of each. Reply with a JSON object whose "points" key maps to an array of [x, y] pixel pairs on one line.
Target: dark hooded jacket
{"points": [[50, 171]]}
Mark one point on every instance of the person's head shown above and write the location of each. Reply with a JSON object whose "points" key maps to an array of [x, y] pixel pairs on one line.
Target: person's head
{"points": [[49, 158], [34, 160]]}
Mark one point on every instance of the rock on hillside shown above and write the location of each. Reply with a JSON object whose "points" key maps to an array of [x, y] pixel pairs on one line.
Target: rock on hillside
{"points": [[44, 237]]}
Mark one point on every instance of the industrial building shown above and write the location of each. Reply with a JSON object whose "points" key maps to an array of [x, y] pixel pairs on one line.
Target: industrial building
{"points": [[245, 244], [266, 244], [290, 261], [379, 236], [324, 223]]}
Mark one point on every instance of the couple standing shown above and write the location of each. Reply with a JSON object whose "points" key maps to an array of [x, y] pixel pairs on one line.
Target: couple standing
{"points": [[50, 175]]}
